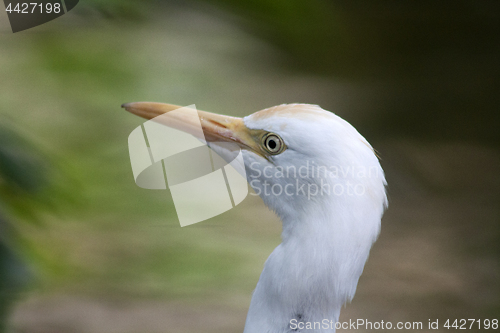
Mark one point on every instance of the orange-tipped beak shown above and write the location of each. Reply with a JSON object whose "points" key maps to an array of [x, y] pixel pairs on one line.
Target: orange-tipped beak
{"points": [[215, 127]]}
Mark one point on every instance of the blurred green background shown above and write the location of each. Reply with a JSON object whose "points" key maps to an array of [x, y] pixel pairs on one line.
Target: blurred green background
{"points": [[83, 249]]}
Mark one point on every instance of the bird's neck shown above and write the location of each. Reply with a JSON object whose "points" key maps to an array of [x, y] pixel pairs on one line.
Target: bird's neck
{"points": [[330, 249], [315, 270]]}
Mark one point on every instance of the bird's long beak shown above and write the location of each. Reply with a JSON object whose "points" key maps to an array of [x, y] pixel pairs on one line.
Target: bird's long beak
{"points": [[215, 127]]}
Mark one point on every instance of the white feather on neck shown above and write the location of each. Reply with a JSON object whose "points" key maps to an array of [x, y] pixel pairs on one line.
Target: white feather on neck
{"points": [[326, 239]]}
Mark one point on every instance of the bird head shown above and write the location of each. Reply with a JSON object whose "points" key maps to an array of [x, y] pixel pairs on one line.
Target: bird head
{"points": [[299, 158], [321, 177]]}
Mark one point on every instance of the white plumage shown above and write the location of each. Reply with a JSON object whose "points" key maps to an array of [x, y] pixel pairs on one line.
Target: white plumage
{"points": [[326, 238], [327, 235]]}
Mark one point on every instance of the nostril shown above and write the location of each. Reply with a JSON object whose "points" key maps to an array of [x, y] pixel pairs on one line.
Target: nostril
{"points": [[216, 123]]}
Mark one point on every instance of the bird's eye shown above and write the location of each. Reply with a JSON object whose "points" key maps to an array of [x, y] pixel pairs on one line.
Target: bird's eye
{"points": [[273, 144]]}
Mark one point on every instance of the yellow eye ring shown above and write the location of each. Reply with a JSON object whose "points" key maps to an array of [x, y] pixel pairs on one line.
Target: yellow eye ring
{"points": [[273, 144]]}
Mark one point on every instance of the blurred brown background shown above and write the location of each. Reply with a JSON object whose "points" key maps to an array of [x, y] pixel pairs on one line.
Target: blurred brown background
{"points": [[83, 250]]}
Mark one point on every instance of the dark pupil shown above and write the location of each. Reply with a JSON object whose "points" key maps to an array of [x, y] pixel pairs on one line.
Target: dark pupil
{"points": [[272, 144]]}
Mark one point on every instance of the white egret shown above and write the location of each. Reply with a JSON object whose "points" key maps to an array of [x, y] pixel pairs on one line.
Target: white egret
{"points": [[324, 181]]}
